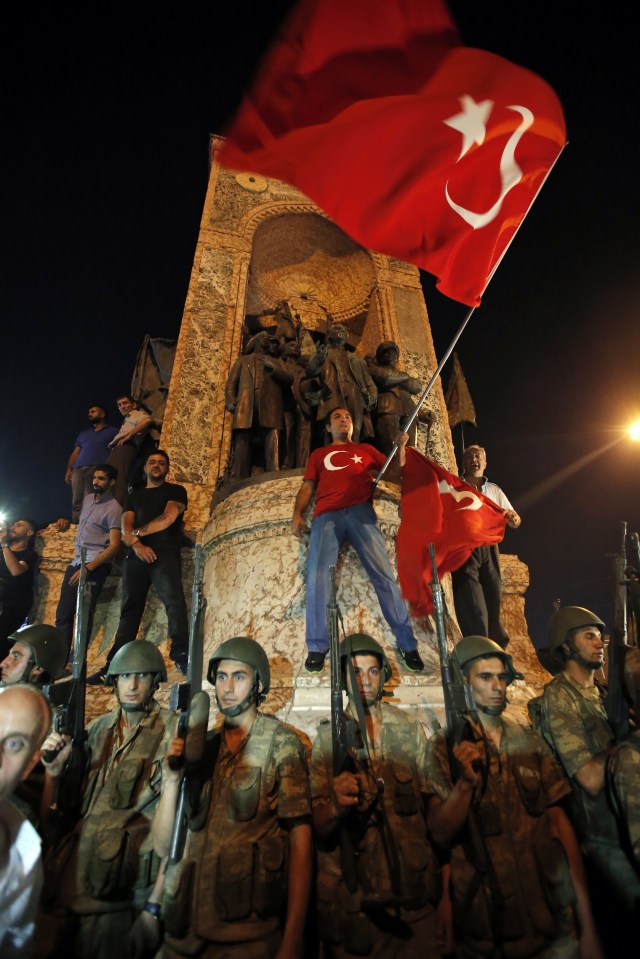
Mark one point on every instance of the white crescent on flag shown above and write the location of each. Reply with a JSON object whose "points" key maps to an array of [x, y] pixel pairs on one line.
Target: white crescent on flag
{"points": [[471, 123], [460, 495]]}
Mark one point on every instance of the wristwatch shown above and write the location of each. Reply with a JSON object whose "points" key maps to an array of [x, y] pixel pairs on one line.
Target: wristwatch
{"points": [[153, 908]]}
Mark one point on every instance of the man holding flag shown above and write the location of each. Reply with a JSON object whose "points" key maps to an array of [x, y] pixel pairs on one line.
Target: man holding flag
{"points": [[443, 509], [477, 584]]}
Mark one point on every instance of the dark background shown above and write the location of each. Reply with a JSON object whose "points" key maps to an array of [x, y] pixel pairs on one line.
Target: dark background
{"points": [[106, 121]]}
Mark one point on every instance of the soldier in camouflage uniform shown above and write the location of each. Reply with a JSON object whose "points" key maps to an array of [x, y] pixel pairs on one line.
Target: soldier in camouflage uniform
{"points": [[378, 877], [242, 886], [100, 876], [623, 767], [516, 874], [574, 723], [38, 656]]}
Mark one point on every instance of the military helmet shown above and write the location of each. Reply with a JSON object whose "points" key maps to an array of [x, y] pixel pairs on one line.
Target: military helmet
{"points": [[137, 656], [362, 643], [47, 644], [568, 618], [481, 647], [245, 650]]}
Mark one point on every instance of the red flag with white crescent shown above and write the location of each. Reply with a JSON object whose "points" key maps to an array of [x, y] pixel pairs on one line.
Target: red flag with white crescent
{"points": [[440, 508], [417, 147]]}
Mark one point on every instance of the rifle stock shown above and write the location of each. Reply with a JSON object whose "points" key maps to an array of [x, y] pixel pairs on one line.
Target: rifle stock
{"points": [[459, 704], [193, 703]]}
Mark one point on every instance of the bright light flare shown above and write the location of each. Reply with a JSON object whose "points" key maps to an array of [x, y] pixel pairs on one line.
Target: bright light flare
{"points": [[634, 430]]}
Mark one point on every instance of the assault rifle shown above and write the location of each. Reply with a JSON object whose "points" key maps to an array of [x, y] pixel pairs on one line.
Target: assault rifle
{"points": [[346, 738], [193, 704], [68, 702], [459, 704], [460, 712], [616, 704], [343, 728]]}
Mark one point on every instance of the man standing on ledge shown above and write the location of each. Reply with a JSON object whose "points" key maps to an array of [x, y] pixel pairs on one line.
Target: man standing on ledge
{"points": [[477, 585], [99, 533], [152, 529], [18, 568], [340, 476]]}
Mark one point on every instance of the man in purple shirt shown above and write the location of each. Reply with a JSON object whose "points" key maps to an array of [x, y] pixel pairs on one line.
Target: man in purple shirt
{"points": [[90, 448], [99, 532]]}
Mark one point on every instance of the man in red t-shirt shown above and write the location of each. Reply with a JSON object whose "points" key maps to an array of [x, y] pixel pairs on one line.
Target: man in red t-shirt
{"points": [[340, 476]]}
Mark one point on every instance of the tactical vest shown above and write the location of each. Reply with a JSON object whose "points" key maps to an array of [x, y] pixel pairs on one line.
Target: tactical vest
{"points": [[510, 877], [593, 817], [231, 885], [344, 914], [108, 860]]}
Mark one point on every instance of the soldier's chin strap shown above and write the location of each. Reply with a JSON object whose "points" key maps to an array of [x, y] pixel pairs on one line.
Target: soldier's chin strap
{"points": [[574, 654], [253, 696]]}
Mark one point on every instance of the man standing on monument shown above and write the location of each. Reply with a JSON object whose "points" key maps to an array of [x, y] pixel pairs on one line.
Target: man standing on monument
{"points": [[152, 530], [18, 568], [477, 584], [340, 476], [90, 448], [99, 533]]}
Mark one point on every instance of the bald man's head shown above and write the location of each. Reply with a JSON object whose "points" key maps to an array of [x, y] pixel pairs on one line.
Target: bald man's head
{"points": [[25, 718]]}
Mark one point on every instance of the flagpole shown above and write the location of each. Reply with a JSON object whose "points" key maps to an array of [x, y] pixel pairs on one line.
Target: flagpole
{"points": [[406, 426]]}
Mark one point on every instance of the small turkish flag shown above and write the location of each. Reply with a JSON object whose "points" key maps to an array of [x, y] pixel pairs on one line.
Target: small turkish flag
{"points": [[440, 508]]}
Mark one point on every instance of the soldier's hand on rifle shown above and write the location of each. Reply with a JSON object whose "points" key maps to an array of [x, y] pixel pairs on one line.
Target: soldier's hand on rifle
{"points": [[60, 744], [176, 749], [468, 754], [346, 791]]}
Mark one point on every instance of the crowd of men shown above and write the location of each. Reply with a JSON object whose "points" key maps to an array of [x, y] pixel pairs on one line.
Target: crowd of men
{"points": [[154, 835]]}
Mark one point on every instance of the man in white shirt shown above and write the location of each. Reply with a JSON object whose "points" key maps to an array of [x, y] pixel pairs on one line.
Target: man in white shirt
{"points": [[477, 585]]}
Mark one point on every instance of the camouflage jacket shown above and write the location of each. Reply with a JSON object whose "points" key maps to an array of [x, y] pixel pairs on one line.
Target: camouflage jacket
{"points": [[510, 877], [231, 884]]}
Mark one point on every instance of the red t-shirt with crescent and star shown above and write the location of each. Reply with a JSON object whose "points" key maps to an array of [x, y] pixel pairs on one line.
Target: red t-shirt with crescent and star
{"points": [[342, 474]]}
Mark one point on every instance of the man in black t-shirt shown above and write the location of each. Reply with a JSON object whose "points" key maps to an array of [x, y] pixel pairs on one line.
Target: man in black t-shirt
{"points": [[152, 529], [18, 568]]}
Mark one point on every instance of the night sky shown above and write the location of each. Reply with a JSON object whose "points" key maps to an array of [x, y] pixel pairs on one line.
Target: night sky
{"points": [[106, 121]]}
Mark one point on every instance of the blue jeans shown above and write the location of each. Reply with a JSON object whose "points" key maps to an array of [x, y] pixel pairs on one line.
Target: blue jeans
{"points": [[357, 525]]}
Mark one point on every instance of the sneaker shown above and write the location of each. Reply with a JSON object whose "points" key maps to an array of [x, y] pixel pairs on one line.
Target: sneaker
{"points": [[314, 663], [97, 679], [410, 659]]}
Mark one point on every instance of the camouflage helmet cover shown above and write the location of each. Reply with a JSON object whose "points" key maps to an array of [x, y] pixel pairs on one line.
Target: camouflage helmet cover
{"points": [[481, 647], [568, 618], [244, 650], [47, 644], [138, 656], [363, 643]]}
